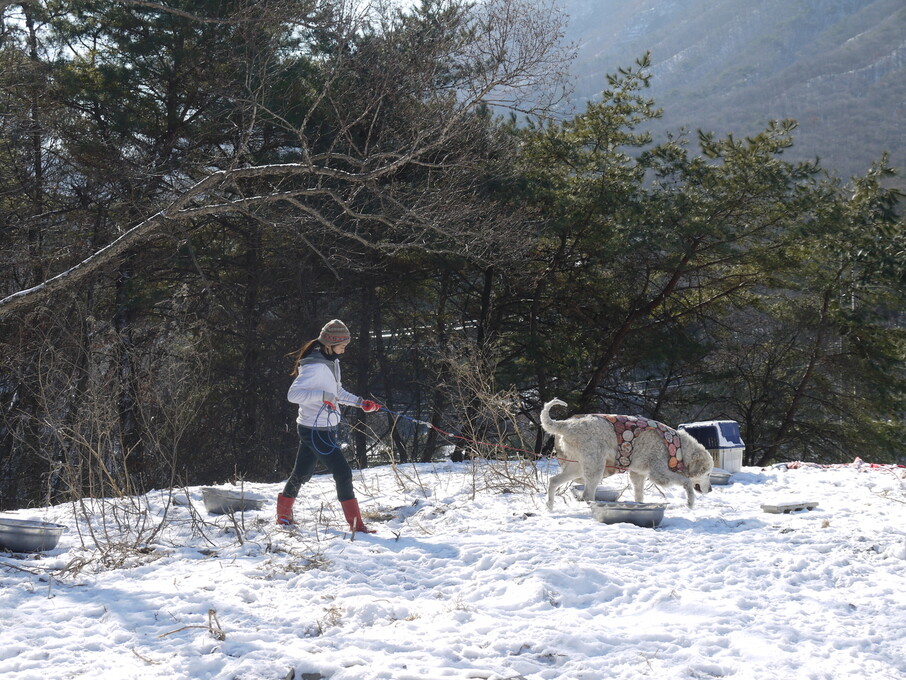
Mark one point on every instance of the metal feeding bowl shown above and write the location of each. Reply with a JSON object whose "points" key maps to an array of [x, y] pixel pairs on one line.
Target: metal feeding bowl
{"points": [[602, 493], [720, 477], [26, 536], [640, 514], [224, 501]]}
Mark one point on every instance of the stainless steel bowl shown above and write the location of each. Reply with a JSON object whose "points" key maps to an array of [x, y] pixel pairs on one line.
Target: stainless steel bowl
{"points": [[602, 493], [640, 514], [720, 477], [223, 501], [24, 535]]}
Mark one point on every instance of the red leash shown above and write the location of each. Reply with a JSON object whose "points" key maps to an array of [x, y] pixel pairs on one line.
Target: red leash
{"points": [[466, 439]]}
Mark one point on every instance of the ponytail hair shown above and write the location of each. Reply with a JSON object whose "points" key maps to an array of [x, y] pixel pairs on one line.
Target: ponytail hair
{"points": [[300, 354]]}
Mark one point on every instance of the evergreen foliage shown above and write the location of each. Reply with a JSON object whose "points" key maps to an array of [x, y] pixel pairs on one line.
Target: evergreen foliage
{"points": [[189, 190]]}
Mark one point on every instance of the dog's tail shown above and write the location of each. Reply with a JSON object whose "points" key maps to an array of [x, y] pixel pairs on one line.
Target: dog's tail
{"points": [[551, 425]]}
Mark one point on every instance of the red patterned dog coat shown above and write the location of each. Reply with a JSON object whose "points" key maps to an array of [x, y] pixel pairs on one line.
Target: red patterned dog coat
{"points": [[628, 427]]}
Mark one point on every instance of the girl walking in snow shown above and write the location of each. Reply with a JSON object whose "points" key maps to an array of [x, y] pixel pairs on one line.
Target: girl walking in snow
{"points": [[318, 391]]}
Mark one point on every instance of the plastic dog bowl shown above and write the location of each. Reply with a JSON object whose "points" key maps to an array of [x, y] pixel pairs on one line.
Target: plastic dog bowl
{"points": [[602, 493], [223, 501], [720, 477], [23, 535], [640, 514]]}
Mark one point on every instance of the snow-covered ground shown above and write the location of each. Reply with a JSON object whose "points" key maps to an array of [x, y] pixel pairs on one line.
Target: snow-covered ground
{"points": [[469, 576]]}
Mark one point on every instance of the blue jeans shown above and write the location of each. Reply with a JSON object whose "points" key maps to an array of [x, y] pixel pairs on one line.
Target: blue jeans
{"points": [[314, 446]]}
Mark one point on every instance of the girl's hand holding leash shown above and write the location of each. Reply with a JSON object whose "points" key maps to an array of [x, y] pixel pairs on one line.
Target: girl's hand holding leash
{"points": [[368, 406]]}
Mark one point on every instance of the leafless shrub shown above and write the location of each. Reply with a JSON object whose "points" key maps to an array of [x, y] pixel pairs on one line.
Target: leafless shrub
{"points": [[492, 434], [331, 618], [897, 495], [116, 513], [213, 627]]}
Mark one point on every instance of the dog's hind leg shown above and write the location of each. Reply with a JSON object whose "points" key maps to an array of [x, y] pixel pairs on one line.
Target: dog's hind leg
{"points": [[593, 477], [568, 472]]}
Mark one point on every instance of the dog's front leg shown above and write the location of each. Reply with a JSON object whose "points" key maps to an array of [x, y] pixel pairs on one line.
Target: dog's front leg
{"points": [[690, 493], [638, 485]]}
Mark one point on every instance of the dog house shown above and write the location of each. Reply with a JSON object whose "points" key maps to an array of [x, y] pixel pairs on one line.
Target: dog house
{"points": [[722, 439]]}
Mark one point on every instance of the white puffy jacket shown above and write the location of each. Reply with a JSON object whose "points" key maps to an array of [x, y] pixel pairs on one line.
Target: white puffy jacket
{"points": [[319, 381]]}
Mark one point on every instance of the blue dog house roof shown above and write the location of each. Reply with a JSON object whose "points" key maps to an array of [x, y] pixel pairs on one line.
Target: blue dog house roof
{"points": [[715, 434]]}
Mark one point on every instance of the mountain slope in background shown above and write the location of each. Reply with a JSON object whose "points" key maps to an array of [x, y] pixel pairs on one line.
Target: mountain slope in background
{"points": [[838, 67]]}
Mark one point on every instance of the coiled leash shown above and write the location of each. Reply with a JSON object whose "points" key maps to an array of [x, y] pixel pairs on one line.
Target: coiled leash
{"points": [[324, 437]]}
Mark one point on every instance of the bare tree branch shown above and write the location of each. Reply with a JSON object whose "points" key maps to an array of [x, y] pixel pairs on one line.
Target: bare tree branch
{"points": [[393, 164]]}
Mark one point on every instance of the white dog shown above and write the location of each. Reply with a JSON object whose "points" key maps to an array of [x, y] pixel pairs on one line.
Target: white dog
{"points": [[592, 447]]}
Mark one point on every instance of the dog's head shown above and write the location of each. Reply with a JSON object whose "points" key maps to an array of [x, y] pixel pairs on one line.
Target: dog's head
{"points": [[703, 484], [697, 461]]}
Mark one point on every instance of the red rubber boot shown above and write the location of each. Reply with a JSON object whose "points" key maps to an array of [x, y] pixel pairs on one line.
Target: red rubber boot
{"points": [[285, 509], [354, 517]]}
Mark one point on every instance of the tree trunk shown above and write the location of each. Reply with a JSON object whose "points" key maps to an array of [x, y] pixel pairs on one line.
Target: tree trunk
{"points": [[363, 361], [628, 325], [35, 234], [251, 371], [438, 395], [789, 418], [132, 450], [401, 453]]}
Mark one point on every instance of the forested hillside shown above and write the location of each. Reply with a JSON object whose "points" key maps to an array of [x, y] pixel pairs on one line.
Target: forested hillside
{"points": [[838, 67], [190, 190]]}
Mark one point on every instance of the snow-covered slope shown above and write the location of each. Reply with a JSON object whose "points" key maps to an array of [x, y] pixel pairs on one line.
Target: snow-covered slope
{"points": [[470, 577]]}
